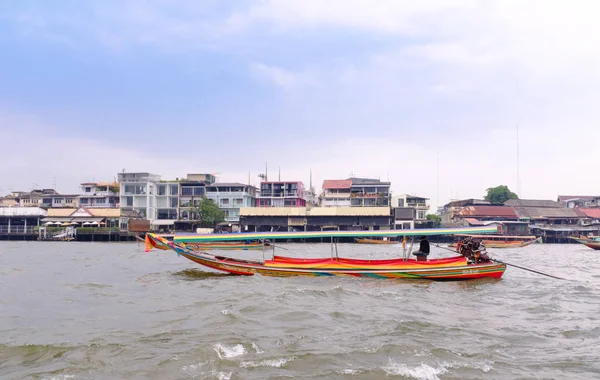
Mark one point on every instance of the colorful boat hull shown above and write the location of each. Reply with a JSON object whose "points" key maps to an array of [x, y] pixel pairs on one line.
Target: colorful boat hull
{"points": [[505, 244], [455, 268], [374, 241]]}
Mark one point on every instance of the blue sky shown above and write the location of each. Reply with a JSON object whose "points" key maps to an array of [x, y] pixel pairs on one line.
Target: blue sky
{"points": [[90, 88]]}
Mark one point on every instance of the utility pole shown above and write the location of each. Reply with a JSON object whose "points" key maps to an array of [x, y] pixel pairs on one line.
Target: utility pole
{"points": [[518, 166]]}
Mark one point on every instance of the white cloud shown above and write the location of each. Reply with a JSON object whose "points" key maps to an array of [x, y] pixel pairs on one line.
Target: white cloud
{"points": [[454, 77], [280, 77]]}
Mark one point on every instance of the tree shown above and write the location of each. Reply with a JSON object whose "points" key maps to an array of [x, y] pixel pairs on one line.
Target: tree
{"points": [[499, 194], [435, 220], [210, 213]]}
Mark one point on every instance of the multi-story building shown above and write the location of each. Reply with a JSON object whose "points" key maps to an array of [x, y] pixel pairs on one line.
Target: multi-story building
{"points": [[409, 211], [167, 200], [137, 193], [412, 201], [191, 192], [99, 195], [355, 192], [46, 198], [230, 197], [281, 194], [163, 202], [336, 193]]}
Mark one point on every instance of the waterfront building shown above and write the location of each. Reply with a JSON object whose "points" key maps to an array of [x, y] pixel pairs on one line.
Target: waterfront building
{"points": [[336, 193], [46, 198], [369, 192], [99, 194], [355, 192], [405, 203], [166, 204], [575, 201], [20, 222], [137, 193], [281, 194], [450, 210], [231, 197], [83, 217], [314, 219]]}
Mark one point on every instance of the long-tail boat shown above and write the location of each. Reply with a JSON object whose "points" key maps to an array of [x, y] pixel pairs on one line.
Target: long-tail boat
{"points": [[593, 243], [502, 241], [452, 268]]}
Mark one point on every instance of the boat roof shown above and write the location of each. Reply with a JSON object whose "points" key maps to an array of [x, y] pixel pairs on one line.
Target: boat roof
{"points": [[332, 234], [497, 236]]}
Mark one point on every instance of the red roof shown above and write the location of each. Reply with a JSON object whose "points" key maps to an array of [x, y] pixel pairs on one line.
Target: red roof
{"points": [[337, 184], [474, 222], [489, 211], [593, 213]]}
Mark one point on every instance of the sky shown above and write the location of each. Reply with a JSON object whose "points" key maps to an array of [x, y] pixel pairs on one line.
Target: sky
{"points": [[442, 98]]}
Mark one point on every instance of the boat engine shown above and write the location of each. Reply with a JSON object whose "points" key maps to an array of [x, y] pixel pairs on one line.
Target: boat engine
{"points": [[473, 250]]}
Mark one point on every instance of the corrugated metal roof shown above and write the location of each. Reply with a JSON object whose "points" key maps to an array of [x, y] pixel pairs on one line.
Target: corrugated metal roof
{"points": [[593, 213], [473, 221], [337, 184], [489, 211], [105, 212], [61, 211], [564, 198], [532, 203], [22, 211], [229, 184], [548, 212]]}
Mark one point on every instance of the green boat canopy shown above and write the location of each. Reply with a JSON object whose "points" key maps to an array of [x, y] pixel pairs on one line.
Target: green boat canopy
{"points": [[331, 234]]}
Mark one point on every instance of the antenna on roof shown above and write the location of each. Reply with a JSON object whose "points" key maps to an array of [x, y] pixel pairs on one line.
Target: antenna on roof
{"points": [[311, 186], [279, 174]]}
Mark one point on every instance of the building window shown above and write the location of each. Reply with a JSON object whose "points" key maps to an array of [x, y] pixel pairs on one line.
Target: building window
{"points": [[88, 189], [225, 201], [289, 202], [69, 200], [226, 213], [265, 202], [239, 201], [174, 189], [173, 202], [187, 191], [162, 190]]}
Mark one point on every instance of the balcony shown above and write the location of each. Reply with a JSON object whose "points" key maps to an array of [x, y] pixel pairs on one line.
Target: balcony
{"points": [[279, 194]]}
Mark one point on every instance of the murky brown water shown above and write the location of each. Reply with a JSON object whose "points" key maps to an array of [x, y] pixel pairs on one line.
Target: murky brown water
{"points": [[111, 311]]}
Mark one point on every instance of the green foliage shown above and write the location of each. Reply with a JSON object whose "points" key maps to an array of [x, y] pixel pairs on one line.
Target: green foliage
{"points": [[499, 194], [435, 220], [210, 213]]}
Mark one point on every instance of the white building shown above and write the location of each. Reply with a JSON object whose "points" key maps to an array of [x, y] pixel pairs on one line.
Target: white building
{"points": [[230, 197], [162, 202], [138, 193], [99, 195], [409, 210]]}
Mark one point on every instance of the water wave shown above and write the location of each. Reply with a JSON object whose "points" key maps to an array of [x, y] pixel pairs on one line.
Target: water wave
{"points": [[225, 352]]}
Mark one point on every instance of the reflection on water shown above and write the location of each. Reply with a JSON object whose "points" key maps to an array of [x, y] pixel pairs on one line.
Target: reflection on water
{"points": [[105, 311]]}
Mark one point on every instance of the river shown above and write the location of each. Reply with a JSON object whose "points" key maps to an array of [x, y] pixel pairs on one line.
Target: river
{"points": [[72, 310]]}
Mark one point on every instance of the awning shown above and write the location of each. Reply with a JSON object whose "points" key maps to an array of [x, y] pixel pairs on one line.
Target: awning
{"points": [[56, 219], [87, 219], [163, 222]]}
